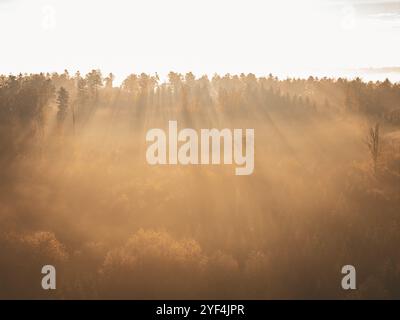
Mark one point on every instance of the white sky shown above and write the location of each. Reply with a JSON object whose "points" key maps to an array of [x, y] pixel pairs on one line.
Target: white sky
{"points": [[203, 36]]}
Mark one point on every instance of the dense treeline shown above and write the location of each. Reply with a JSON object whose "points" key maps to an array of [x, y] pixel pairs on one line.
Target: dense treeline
{"points": [[230, 92], [25, 99]]}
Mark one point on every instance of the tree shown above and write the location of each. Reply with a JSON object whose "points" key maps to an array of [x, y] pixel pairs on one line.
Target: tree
{"points": [[373, 143], [109, 81], [94, 82], [62, 104], [82, 94], [131, 84]]}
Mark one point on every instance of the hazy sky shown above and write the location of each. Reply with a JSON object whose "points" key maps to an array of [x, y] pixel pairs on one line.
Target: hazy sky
{"points": [[203, 36]]}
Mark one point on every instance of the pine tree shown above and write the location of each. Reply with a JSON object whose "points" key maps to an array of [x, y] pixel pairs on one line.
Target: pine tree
{"points": [[62, 104]]}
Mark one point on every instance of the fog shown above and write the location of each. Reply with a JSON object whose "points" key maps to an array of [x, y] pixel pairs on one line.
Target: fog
{"points": [[79, 195]]}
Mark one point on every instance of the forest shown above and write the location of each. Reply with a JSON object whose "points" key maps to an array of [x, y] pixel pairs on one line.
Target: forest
{"points": [[76, 191]]}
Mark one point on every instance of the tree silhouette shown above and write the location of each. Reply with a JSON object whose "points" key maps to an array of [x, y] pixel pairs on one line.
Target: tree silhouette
{"points": [[62, 104]]}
